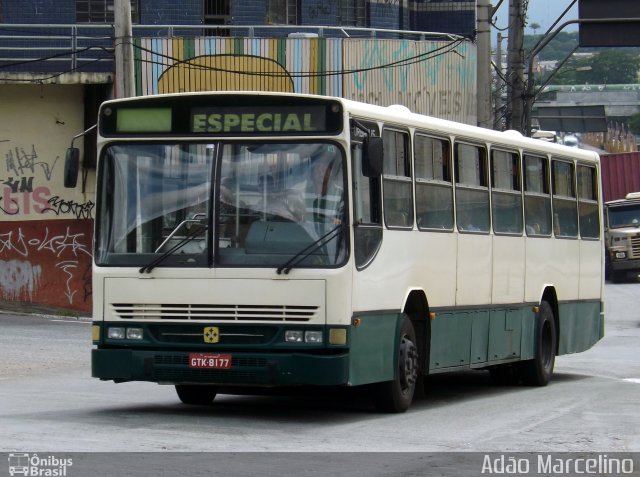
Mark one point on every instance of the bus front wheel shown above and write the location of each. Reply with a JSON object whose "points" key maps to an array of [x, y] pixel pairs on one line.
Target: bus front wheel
{"points": [[538, 371], [198, 395], [397, 395]]}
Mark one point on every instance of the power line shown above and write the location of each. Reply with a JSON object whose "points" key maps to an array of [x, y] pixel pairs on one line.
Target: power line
{"points": [[440, 51], [443, 50], [68, 53]]}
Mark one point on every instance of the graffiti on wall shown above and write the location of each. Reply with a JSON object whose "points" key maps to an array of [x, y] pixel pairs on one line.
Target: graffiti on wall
{"points": [[433, 78], [437, 78], [26, 190], [47, 262], [18, 279]]}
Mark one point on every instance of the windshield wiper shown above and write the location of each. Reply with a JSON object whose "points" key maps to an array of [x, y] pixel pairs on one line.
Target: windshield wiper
{"points": [[308, 250], [186, 239]]}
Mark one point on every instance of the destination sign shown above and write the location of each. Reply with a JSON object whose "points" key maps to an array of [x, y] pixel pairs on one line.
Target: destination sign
{"points": [[260, 119], [222, 115]]}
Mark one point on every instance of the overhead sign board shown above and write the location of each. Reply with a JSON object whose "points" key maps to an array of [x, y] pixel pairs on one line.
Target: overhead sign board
{"points": [[572, 118], [609, 33]]}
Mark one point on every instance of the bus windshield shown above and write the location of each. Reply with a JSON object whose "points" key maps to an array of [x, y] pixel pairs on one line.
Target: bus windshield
{"points": [[269, 202]]}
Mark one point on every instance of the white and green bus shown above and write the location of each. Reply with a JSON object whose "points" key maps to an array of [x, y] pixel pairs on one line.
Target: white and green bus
{"points": [[264, 240]]}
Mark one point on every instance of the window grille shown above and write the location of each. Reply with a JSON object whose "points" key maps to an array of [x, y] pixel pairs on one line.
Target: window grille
{"points": [[216, 12], [101, 11], [352, 13]]}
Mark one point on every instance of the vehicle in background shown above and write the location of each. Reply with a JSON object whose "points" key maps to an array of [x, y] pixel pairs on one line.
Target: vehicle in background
{"points": [[571, 141], [622, 237], [548, 136]]}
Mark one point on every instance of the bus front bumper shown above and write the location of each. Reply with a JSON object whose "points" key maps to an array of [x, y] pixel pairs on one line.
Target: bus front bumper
{"points": [[251, 369]]}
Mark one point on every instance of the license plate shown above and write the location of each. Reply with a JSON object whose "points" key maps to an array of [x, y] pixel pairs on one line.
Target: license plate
{"points": [[210, 361]]}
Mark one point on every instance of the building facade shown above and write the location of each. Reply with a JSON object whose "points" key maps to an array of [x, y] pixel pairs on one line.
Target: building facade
{"points": [[56, 67]]}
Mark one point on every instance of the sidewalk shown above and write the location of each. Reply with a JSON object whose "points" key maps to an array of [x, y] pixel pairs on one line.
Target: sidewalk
{"points": [[26, 308]]}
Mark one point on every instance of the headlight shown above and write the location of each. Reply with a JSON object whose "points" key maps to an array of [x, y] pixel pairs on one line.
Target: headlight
{"points": [[293, 336], [621, 254], [116, 333], [134, 333], [313, 336]]}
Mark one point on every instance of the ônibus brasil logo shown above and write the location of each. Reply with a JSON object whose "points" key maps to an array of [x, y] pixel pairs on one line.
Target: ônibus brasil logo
{"points": [[34, 465]]}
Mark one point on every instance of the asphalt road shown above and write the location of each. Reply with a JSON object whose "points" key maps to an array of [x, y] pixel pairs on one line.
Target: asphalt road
{"points": [[49, 402]]}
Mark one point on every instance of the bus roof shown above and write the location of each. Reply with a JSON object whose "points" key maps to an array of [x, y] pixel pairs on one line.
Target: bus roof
{"points": [[402, 116]]}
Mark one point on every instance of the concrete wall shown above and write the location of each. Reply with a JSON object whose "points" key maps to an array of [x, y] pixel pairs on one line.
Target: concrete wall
{"points": [[45, 229]]}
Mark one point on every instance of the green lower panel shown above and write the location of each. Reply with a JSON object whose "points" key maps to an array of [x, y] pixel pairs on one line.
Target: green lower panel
{"points": [[373, 348], [581, 326], [472, 338], [451, 334], [247, 368]]}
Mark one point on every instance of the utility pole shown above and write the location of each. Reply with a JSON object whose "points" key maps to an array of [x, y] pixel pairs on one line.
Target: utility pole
{"points": [[515, 67], [483, 40], [499, 113], [123, 50]]}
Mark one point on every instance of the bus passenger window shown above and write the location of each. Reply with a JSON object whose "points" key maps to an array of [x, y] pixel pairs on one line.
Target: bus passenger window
{"points": [[472, 191], [537, 200], [434, 190], [397, 183], [565, 214], [588, 202], [506, 196]]}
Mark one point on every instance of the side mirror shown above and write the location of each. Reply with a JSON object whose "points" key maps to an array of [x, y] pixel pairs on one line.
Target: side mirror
{"points": [[372, 154], [71, 167]]}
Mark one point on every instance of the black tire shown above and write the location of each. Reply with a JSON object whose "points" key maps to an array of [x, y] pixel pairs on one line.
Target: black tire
{"points": [[397, 395], [618, 276], [196, 395], [538, 371]]}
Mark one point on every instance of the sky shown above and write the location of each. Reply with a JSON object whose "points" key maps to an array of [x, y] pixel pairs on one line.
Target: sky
{"points": [[543, 12]]}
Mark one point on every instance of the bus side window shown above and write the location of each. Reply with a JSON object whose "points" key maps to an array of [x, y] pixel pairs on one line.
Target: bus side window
{"points": [[397, 182], [565, 214], [434, 189], [366, 211], [506, 196], [472, 190], [588, 202], [537, 200]]}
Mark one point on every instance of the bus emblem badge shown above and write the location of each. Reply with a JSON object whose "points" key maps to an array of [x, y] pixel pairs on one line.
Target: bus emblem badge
{"points": [[211, 334]]}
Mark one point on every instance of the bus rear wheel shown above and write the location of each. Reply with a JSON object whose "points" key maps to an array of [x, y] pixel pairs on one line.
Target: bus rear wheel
{"points": [[538, 371], [397, 395], [194, 394]]}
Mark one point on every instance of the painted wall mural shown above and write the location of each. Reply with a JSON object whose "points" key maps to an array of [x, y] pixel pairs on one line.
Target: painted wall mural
{"points": [[429, 77]]}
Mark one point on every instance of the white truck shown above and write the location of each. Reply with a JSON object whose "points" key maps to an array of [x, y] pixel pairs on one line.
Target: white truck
{"points": [[622, 237]]}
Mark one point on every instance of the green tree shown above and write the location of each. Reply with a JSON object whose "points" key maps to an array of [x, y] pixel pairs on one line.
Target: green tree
{"points": [[558, 48], [613, 67], [610, 66], [535, 27]]}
